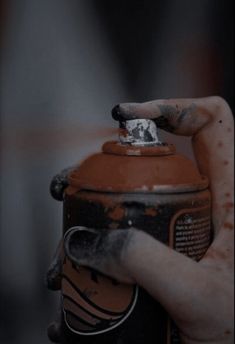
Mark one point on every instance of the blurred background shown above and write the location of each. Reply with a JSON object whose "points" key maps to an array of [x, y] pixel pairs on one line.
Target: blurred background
{"points": [[64, 65]]}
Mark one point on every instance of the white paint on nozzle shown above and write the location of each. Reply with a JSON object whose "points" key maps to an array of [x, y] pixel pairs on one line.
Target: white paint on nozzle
{"points": [[139, 132]]}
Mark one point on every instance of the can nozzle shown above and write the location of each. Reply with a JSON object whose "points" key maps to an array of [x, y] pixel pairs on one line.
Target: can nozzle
{"points": [[139, 132]]}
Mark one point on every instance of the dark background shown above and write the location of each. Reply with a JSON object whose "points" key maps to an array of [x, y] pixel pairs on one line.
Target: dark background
{"points": [[64, 65]]}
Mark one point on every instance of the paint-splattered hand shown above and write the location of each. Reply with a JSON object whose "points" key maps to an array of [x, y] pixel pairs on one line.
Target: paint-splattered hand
{"points": [[89, 247], [201, 298]]}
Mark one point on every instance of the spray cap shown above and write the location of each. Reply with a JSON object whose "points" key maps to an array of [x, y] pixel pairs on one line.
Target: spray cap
{"points": [[139, 132], [128, 165]]}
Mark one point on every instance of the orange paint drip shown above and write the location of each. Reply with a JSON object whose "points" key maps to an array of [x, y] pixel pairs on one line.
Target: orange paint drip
{"points": [[117, 213], [228, 205], [151, 212], [228, 225]]}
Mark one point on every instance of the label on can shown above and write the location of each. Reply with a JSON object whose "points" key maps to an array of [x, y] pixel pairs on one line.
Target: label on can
{"points": [[190, 234], [93, 303]]}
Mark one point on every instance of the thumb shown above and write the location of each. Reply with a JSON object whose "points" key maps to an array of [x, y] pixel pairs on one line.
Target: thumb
{"points": [[101, 250], [133, 256]]}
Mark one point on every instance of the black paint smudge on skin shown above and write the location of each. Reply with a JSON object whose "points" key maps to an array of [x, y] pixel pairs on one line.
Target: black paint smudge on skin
{"points": [[170, 118], [117, 244], [119, 115], [81, 244], [163, 123], [93, 247], [168, 111], [184, 113]]}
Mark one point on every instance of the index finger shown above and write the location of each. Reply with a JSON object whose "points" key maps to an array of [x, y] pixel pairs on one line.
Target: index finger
{"points": [[179, 116], [210, 123]]}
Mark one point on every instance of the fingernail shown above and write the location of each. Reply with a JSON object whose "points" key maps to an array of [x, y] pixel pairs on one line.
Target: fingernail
{"points": [[117, 113], [124, 112]]}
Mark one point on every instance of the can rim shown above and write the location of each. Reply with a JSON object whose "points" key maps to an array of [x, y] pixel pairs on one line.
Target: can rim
{"points": [[154, 189], [117, 148]]}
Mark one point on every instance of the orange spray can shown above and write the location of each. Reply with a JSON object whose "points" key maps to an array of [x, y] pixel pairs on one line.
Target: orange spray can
{"points": [[138, 182]]}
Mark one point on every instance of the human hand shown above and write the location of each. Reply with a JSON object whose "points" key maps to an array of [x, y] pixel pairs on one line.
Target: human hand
{"points": [[201, 299]]}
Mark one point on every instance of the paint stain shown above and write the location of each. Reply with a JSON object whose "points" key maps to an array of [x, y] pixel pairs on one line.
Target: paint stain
{"points": [[117, 213], [228, 225], [150, 212], [229, 130], [220, 144], [220, 121], [227, 194], [225, 162], [227, 332], [228, 205], [216, 254], [163, 122]]}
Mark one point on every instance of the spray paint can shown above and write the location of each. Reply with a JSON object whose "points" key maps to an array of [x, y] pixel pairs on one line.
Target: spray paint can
{"points": [[138, 182]]}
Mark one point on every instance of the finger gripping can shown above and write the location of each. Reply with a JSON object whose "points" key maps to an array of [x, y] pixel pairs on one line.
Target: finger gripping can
{"points": [[138, 182]]}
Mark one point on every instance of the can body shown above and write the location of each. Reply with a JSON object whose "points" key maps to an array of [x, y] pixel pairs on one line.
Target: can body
{"points": [[180, 220]]}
